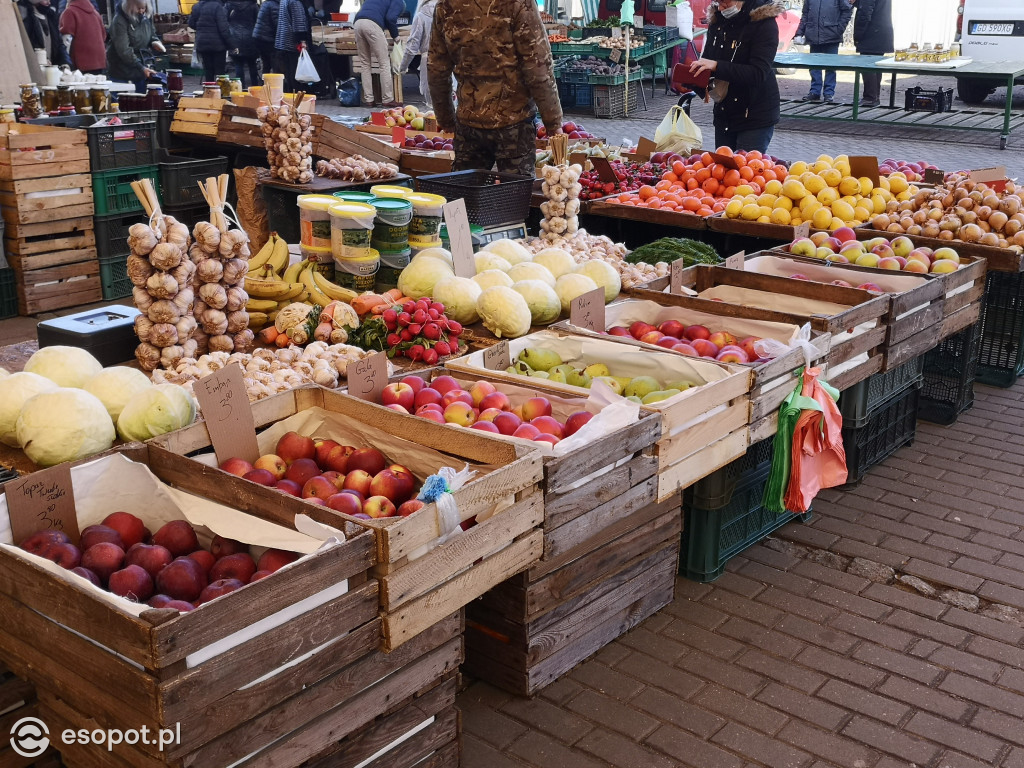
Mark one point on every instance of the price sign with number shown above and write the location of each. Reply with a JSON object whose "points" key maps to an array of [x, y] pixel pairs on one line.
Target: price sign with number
{"points": [[675, 282], [934, 176], [587, 310], [368, 377], [497, 358], [615, 55], [43, 500], [460, 237], [736, 260], [802, 230], [228, 415]]}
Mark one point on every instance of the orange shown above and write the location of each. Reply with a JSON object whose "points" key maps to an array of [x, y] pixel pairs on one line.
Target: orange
{"points": [[769, 174], [646, 191], [732, 178], [692, 184], [703, 175], [691, 203], [756, 164], [705, 157], [710, 186], [729, 192], [704, 211], [654, 203], [724, 151], [625, 196], [754, 153], [718, 171], [678, 167], [663, 184], [780, 169], [746, 173]]}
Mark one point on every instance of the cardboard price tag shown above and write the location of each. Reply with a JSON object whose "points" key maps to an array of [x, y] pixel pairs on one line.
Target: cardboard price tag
{"points": [[725, 160], [934, 176], [604, 170], [644, 149], [497, 358], [368, 377], [864, 165], [736, 260], [615, 55], [675, 279], [43, 500], [587, 310], [228, 415], [994, 178], [398, 135], [460, 237], [802, 230], [616, 33]]}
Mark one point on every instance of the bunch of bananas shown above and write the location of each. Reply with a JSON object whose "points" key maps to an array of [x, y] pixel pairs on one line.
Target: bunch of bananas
{"points": [[272, 284]]}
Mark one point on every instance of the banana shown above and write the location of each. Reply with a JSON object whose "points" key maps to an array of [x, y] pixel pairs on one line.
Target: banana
{"points": [[263, 254], [315, 294], [291, 275], [275, 290], [258, 320], [332, 290], [279, 258], [260, 305]]}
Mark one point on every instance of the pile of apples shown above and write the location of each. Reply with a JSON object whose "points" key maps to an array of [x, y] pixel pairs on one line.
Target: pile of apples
{"points": [[692, 340], [482, 407], [912, 171], [169, 568], [407, 116], [354, 481], [898, 254], [570, 129], [631, 176], [419, 141]]}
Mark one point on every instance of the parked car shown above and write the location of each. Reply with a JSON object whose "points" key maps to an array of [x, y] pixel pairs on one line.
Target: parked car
{"points": [[990, 30]]}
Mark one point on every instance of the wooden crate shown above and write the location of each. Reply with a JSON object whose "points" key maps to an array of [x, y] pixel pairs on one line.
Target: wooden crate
{"points": [[418, 163], [773, 381], [703, 428], [34, 201], [198, 116], [999, 259], [332, 139], [18, 700], [50, 288], [865, 309], [133, 671], [39, 151], [531, 630], [417, 589], [618, 474], [239, 125], [678, 219]]}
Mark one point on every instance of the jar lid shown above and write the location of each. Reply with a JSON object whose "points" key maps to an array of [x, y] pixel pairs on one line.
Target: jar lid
{"points": [[390, 190], [209, 82], [426, 199], [49, 87], [316, 202], [355, 196], [391, 204], [352, 210]]}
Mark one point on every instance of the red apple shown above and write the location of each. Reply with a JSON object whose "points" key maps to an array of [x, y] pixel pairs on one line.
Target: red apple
{"points": [[548, 425], [618, 330], [103, 559], [485, 426], [457, 396], [261, 477], [182, 606], [370, 460], [844, 234], [201, 556], [301, 470], [399, 394], [88, 575], [151, 557], [271, 463], [747, 345], [428, 395], [685, 349], [337, 478], [444, 384], [218, 588], [274, 559], [236, 466], [379, 506], [323, 449], [396, 486], [178, 537], [415, 382], [652, 337], [507, 422], [527, 431], [40, 540], [259, 575], [705, 348], [64, 553], [337, 458], [222, 547], [431, 415], [694, 332], [668, 342], [488, 415], [536, 406], [459, 413], [732, 354], [497, 400], [289, 486], [94, 534], [237, 566], [132, 582], [293, 446], [131, 528], [576, 421], [397, 407], [672, 328], [722, 339], [345, 503], [639, 328], [544, 437], [413, 505], [358, 480], [481, 390], [318, 487]]}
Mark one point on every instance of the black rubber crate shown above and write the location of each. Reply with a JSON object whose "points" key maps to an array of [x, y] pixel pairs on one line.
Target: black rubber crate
{"points": [[492, 198], [716, 489], [1001, 355], [132, 143], [189, 215], [8, 293], [112, 233], [180, 177], [114, 281], [949, 373], [888, 429], [858, 403], [610, 100], [714, 535]]}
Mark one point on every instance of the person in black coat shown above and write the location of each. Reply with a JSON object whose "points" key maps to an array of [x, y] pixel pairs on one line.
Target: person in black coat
{"points": [[822, 25], [209, 18], [873, 36], [742, 40], [242, 20], [42, 25]]}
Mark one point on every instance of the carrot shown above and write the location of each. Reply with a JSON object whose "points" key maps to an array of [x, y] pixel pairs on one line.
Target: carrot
{"points": [[282, 340], [269, 334], [366, 302], [394, 295], [327, 313]]}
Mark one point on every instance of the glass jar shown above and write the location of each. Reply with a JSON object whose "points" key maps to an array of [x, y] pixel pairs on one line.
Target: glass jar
{"points": [[901, 54], [50, 103], [211, 90], [64, 96], [225, 86], [175, 81], [154, 97], [7, 114], [100, 100], [80, 98], [175, 97], [31, 104], [236, 85], [66, 111]]}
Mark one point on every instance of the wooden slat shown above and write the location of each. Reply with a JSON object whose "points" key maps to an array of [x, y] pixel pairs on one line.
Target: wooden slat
{"points": [[702, 463], [50, 259]]}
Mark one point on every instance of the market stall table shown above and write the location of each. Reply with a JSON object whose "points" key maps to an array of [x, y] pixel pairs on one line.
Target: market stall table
{"points": [[963, 119]]}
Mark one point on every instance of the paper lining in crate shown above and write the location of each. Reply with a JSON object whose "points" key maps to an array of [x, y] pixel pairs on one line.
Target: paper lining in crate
{"points": [[136, 666], [535, 627], [916, 304], [427, 566], [603, 471], [855, 319], [773, 380], [703, 427]]}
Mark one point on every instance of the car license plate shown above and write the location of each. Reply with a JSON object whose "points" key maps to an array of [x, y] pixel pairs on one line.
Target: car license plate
{"points": [[986, 28]]}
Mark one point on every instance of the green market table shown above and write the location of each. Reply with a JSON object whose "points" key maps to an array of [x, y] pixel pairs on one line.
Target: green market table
{"points": [[963, 119]]}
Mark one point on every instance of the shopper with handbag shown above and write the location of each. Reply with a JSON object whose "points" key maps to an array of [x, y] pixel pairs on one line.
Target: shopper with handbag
{"points": [[738, 60], [373, 19]]}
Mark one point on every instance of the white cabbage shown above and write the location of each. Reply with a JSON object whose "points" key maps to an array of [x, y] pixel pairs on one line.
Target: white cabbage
{"points": [[64, 425]]}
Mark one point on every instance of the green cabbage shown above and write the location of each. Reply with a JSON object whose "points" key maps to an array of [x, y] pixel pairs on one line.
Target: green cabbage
{"points": [[16, 390], [541, 299], [504, 312], [459, 295], [65, 366], [569, 286], [115, 386], [421, 275], [156, 411], [527, 270], [604, 275]]}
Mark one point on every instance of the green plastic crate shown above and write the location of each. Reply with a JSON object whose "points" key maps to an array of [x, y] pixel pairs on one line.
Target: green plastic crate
{"points": [[112, 190], [114, 277]]}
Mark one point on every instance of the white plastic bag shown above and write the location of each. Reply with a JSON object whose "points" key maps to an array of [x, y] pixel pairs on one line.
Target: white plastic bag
{"points": [[678, 133], [196, 63], [397, 54], [679, 14], [305, 72]]}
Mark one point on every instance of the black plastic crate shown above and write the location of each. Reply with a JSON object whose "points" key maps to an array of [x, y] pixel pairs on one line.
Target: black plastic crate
{"points": [[716, 489], [712, 536], [7, 474], [112, 233], [858, 403], [114, 281], [180, 177], [1001, 354], [888, 429], [8, 293], [492, 197], [188, 214], [130, 144], [611, 100], [949, 373], [918, 99]]}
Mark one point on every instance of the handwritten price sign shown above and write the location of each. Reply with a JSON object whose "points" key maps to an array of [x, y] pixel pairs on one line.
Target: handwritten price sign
{"points": [[460, 237], [227, 413], [41, 501], [368, 377], [497, 358], [587, 310]]}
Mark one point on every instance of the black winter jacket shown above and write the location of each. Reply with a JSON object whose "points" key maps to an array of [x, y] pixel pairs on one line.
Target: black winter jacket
{"points": [[35, 33], [209, 18], [872, 27], [745, 47], [241, 21], [823, 22]]}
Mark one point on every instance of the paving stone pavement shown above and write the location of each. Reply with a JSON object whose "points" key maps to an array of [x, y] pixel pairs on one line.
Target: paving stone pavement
{"points": [[811, 650]]}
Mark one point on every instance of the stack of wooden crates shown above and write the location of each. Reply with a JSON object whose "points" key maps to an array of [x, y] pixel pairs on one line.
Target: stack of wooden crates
{"points": [[47, 204]]}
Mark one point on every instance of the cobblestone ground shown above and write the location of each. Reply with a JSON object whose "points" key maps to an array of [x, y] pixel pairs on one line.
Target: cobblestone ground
{"points": [[888, 632]]}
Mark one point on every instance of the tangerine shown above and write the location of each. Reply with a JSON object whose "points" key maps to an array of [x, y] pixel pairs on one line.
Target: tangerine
{"points": [[646, 191]]}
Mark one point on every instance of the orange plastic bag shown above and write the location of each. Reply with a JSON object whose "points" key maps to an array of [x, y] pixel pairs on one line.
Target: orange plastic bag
{"points": [[819, 460]]}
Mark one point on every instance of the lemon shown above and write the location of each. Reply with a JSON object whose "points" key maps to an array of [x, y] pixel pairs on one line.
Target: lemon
{"points": [[836, 224], [820, 166], [780, 216], [750, 212], [843, 166], [784, 203], [815, 184], [796, 220], [832, 177], [842, 210], [860, 213], [744, 189], [733, 208], [766, 210], [766, 199], [828, 196], [850, 200], [821, 218], [764, 219], [866, 185], [877, 204], [827, 159], [904, 195], [849, 186], [898, 183], [797, 168], [883, 183], [773, 187], [793, 189]]}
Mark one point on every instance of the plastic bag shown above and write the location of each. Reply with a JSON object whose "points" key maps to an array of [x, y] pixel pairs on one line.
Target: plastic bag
{"points": [[678, 133], [819, 460], [305, 72], [348, 92], [397, 54], [196, 63], [772, 348], [680, 15]]}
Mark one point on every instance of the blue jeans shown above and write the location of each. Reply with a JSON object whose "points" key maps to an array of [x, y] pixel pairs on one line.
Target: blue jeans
{"points": [[755, 138], [830, 74]]}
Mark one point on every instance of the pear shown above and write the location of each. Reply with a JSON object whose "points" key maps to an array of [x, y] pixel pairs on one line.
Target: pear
{"points": [[557, 376], [539, 359], [623, 381], [520, 367], [597, 370], [682, 386], [658, 396], [539, 375], [611, 382], [634, 399], [642, 386], [578, 379], [565, 369]]}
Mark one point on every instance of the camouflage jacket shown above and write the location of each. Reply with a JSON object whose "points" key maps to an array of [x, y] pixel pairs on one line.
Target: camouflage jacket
{"points": [[500, 56]]}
